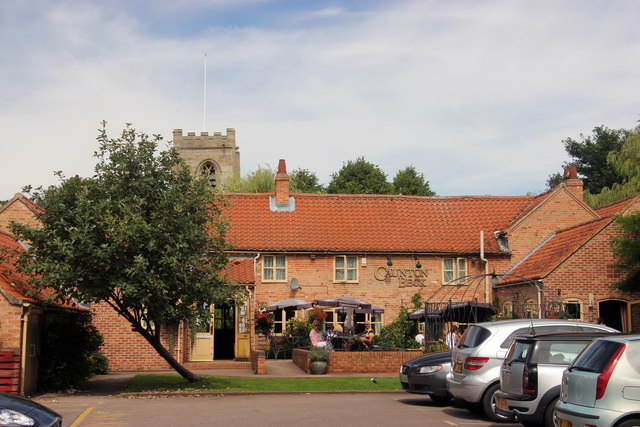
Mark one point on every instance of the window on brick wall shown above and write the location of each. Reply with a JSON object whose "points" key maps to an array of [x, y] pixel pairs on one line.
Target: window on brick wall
{"points": [[274, 268], [280, 318], [453, 268], [345, 269], [572, 308]]}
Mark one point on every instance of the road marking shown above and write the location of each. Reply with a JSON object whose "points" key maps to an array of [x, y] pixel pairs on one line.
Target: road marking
{"points": [[81, 417]]}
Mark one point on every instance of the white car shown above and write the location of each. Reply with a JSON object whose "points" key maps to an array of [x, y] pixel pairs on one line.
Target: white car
{"points": [[602, 385]]}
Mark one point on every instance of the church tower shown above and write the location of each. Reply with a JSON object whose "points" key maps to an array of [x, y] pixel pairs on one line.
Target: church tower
{"points": [[214, 156]]}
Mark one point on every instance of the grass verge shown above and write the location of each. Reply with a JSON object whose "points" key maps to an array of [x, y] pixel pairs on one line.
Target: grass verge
{"points": [[175, 383]]}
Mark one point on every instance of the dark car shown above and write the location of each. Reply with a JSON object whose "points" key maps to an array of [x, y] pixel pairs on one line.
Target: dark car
{"points": [[18, 411], [532, 371], [427, 375]]}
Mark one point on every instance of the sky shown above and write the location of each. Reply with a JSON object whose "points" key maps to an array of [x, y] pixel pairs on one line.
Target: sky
{"points": [[476, 95]]}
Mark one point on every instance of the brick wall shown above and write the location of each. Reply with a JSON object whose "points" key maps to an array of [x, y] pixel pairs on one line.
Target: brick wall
{"points": [[9, 370], [561, 210], [365, 362], [16, 210], [10, 324], [258, 362]]}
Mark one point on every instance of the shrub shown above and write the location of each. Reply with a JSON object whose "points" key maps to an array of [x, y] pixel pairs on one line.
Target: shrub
{"points": [[319, 354], [68, 343], [399, 333], [300, 330]]}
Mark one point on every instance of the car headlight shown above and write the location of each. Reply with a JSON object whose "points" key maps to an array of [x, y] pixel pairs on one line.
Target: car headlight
{"points": [[9, 416], [430, 369]]}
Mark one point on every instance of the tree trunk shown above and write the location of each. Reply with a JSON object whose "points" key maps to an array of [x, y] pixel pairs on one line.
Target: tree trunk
{"points": [[187, 374]]}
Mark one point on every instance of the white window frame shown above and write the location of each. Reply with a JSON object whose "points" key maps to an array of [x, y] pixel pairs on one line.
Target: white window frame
{"points": [[280, 318], [273, 268], [575, 301], [458, 269], [345, 269]]}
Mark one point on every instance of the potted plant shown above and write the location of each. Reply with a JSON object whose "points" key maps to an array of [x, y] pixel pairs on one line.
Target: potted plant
{"points": [[319, 360], [264, 322]]}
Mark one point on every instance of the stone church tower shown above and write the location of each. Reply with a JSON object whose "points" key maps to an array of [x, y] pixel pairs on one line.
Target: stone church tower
{"points": [[213, 156]]}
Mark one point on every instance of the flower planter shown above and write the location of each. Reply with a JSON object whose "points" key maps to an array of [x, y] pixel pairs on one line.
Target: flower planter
{"points": [[318, 367]]}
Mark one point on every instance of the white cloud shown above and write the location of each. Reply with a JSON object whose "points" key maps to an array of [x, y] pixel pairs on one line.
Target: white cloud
{"points": [[476, 95]]}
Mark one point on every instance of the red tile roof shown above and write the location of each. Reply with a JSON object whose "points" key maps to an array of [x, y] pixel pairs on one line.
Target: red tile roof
{"points": [[559, 247], [15, 284], [240, 271], [359, 223], [617, 207]]}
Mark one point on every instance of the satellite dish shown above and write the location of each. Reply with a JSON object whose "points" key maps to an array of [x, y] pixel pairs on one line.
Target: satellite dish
{"points": [[294, 284]]}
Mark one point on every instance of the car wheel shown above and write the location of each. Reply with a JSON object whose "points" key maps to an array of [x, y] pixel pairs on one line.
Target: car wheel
{"points": [[440, 400], [489, 405], [548, 413], [635, 422]]}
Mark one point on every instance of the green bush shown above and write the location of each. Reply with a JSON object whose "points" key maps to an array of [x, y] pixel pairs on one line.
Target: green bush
{"points": [[99, 363], [319, 354], [68, 344], [300, 329], [399, 333]]}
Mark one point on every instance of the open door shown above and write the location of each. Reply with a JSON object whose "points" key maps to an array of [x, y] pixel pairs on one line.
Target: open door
{"points": [[202, 350], [224, 331]]}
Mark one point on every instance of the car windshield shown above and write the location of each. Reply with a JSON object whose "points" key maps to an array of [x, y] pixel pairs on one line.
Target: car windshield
{"points": [[596, 356], [473, 336]]}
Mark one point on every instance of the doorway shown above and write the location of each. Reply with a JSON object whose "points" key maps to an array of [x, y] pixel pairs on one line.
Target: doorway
{"points": [[615, 314], [224, 331]]}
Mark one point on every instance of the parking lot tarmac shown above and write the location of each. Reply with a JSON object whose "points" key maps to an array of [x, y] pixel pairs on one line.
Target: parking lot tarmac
{"points": [[312, 409]]}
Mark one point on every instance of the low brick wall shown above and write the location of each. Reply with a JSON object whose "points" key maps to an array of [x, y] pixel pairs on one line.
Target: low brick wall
{"points": [[258, 362], [354, 362]]}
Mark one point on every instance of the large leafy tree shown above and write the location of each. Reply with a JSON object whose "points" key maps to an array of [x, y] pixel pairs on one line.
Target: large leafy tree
{"points": [[589, 155], [627, 248], [359, 177], [305, 181], [141, 235], [410, 182], [626, 163]]}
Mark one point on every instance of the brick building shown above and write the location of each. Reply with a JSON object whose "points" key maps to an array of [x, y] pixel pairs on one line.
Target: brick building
{"points": [[550, 254]]}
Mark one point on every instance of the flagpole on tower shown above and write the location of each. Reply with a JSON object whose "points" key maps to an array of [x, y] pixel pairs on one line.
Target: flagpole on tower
{"points": [[204, 109]]}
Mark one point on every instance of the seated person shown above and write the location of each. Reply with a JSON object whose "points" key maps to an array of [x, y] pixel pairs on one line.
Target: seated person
{"points": [[329, 332], [316, 337], [364, 340]]}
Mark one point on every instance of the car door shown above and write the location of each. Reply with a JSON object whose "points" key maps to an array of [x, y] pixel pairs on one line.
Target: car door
{"points": [[513, 367]]}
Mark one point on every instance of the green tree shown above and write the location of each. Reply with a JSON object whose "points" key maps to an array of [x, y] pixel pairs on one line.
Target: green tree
{"points": [[411, 183], [589, 155], [399, 333], [142, 235], [554, 180], [626, 162], [627, 248], [261, 180], [359, 177], [305, 181]]}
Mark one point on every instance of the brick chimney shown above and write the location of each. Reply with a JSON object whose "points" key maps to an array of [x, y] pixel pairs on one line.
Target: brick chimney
{"points": [[282, 184], [572, 182]]}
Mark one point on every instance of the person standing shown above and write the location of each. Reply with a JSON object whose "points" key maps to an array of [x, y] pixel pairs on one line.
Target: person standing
{"points": [[452, 337]]}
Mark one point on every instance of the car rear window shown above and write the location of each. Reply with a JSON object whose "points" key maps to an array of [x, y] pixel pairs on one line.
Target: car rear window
{"points": [[557, 352], [519, 351], [474, 336], [596, 356]]}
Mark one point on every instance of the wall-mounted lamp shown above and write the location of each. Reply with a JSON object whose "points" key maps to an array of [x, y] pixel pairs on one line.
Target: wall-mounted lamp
{"points": [[389, 262], [418, 265], [591, 301], [312, 256]]}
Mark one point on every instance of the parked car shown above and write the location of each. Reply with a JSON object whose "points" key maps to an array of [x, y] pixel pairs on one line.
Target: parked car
{"points": [[427, 375], [602, 385], [19, 411], [531, 373], [476, 359]]}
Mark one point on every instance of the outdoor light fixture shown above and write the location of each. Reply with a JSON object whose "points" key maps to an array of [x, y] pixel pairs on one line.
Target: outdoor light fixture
{"points": [[313, 256], [418, 265], [389, 262]]}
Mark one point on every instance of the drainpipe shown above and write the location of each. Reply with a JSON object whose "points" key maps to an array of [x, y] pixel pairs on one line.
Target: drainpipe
{"points": [[23, 356], [486, 267]]}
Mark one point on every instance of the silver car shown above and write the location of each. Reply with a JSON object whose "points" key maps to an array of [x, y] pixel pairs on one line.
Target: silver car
{"points": [[476, 359], [532, 371], [602, 385]]}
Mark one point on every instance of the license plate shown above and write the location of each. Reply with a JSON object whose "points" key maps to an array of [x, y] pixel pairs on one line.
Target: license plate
{"points": [[502, 403], [404, 378], [564, 423]]}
